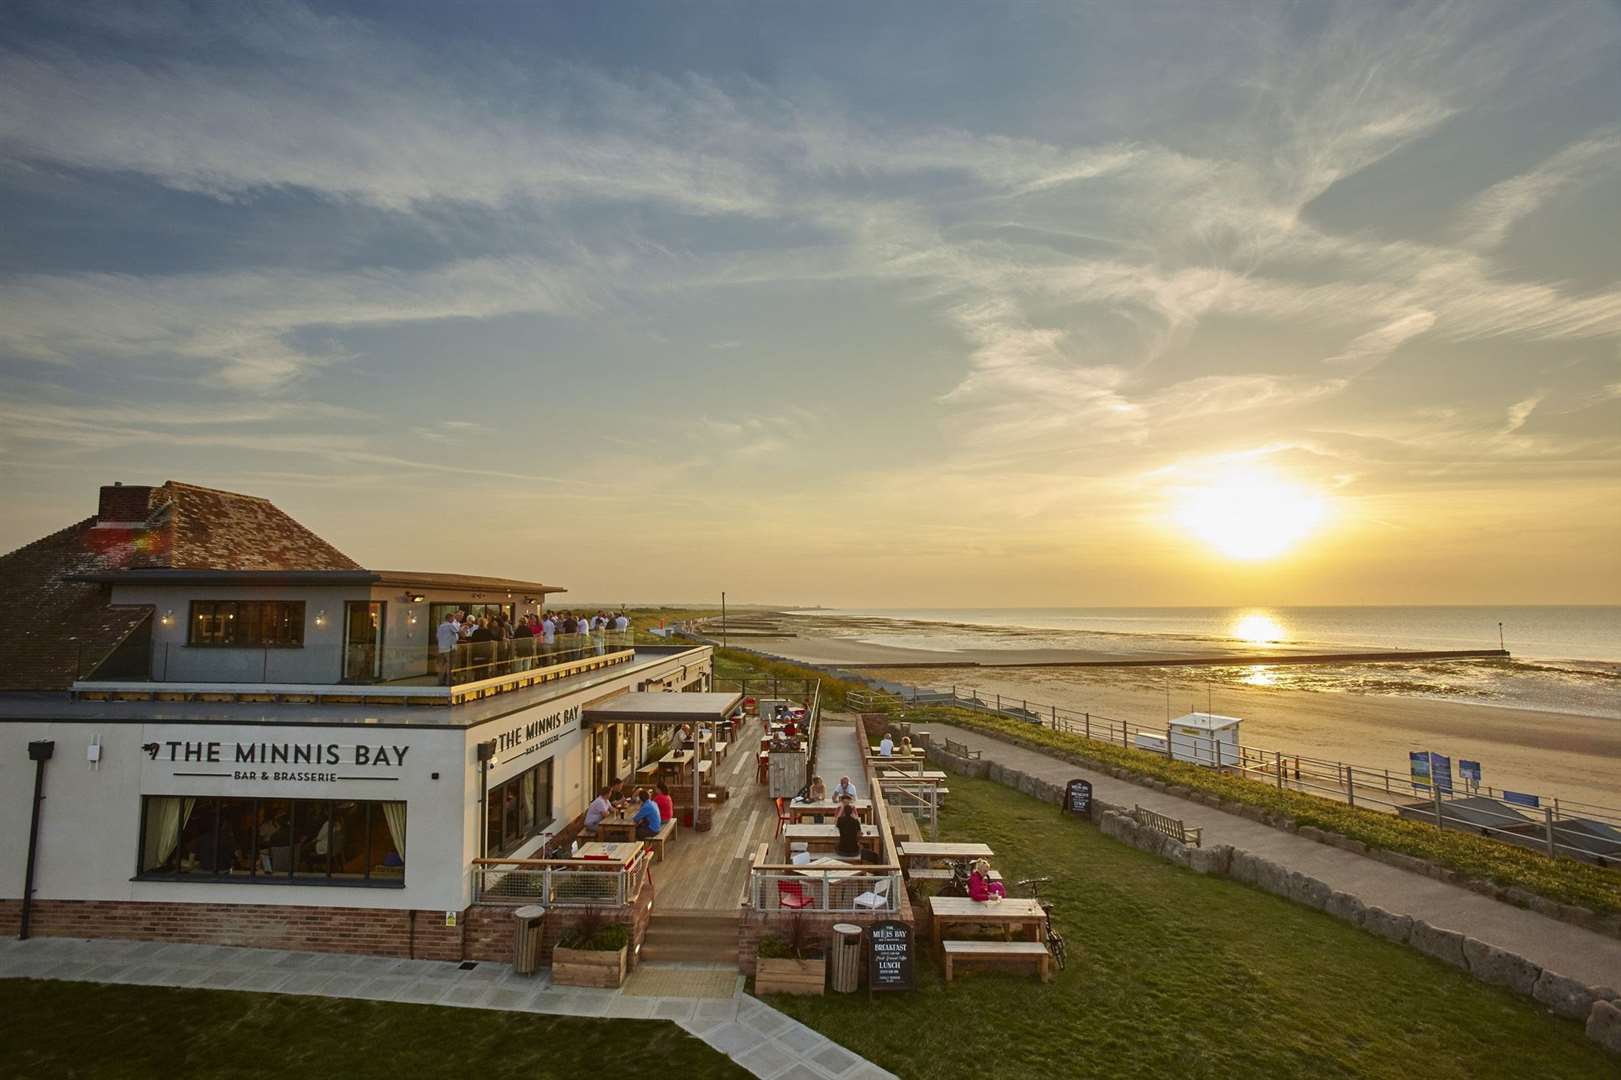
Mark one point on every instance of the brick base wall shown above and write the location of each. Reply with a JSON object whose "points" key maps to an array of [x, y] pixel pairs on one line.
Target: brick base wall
{"points": [[483, 931], [365, 931]]}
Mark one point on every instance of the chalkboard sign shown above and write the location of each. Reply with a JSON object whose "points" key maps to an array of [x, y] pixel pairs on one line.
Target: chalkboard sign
{"points": [[889, 957], [1078, 797]]}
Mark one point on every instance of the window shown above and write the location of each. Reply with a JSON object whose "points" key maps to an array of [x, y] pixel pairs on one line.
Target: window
{"points": [[518, 809], [257, 623], [299, 841]]}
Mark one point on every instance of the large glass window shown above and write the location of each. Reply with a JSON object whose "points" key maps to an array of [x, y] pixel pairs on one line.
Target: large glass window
{"points": [[304, 841], [518, 809], [259, 623]]}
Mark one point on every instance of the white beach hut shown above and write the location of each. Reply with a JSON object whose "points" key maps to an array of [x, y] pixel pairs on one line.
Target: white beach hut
{"points": [[1205, 739]]}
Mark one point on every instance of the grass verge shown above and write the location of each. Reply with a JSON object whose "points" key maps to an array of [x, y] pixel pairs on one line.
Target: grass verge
{"points": [[67, 1029], [1172, 974]]}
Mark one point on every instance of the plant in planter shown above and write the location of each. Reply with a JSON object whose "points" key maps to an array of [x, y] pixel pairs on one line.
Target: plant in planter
{"points": [[592, 952], [791, 963]]}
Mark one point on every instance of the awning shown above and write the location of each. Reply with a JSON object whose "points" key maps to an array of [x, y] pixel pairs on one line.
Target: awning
{"points": [[662, 707], [659, 707]]}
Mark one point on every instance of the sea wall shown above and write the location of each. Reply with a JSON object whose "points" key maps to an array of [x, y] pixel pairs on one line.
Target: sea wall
{"points": [[1598, 1006]]}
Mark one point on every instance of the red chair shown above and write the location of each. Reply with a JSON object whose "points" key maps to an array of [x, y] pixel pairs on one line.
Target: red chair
{"points": [[791, 895], [783, 817]]}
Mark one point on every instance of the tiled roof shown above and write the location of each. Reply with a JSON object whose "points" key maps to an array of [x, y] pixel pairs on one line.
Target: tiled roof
{"points": [[63, 627], [59, 627], [197, 528]]}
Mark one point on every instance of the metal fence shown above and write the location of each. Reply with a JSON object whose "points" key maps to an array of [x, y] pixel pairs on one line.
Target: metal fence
{"points": [[561, 882], [783, 887], [1542, 823]]}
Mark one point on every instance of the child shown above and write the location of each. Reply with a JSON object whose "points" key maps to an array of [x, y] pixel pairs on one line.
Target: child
{"points": [[981, 886]]}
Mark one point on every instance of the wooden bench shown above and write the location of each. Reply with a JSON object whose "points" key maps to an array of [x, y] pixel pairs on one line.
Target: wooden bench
{"points": [[961, 750], [931, 873], [1170, 826], [720, 751], [1014, 951], [658, 841], [908, 829]]}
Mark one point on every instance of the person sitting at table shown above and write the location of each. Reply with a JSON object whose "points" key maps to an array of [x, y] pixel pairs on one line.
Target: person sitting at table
{"points": [[845, 790], [849, 826], [600, 807], [983, 887], [906, 746], [666, 805], [648, 822], [818, 790], [886, 747], [788, 729]]}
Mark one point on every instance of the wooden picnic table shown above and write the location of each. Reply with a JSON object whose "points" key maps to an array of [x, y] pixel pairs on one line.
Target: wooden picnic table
{"points": [[922, 776], [828, 808], [1016, 911], [676, 757], [621, 853], [826, 837], [821, 868], [929, 852], [618, 826]]}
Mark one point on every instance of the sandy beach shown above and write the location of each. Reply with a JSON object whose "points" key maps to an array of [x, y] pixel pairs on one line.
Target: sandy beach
{"points": [[1575, 757]]}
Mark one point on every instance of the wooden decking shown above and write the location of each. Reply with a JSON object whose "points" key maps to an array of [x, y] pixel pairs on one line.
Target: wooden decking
{"points": [[708, 871]]}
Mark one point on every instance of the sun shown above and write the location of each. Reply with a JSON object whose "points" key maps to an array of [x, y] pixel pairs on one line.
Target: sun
{"points": [[1249, 515]]}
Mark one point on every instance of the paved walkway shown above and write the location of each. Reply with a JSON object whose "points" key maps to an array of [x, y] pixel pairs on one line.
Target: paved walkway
{"points": [[1569, 950], [759, 1038], [838, 755]]}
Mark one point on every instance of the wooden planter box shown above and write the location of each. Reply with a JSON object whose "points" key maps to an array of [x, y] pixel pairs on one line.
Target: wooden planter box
{"points": [[790, 976], [588, 967]]}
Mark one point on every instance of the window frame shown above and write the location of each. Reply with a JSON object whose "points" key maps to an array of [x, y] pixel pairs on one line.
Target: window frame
{"points": [[495, 802], [297, 807], [259, 613]]}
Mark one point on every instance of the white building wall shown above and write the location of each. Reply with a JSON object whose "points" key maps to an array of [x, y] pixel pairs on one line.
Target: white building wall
{"points": [[91, 818]]}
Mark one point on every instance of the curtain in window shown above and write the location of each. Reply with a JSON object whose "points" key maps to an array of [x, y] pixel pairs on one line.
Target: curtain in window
{"points": [[165, 817], [394, 814], [529, 802]]}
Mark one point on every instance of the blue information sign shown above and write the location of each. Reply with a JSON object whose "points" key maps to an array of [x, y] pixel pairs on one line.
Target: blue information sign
{"points": [[1441, 772]]}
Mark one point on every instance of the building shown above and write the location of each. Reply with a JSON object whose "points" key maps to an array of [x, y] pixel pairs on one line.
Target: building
{"points": [[240, 734]]}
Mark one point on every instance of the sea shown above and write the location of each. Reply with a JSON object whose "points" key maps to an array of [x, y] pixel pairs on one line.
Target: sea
{"points": [[1563, 658]]}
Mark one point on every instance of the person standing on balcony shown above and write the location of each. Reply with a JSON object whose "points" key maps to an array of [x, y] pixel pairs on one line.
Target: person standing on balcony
{"points": [[447, 634], [548, 632]]}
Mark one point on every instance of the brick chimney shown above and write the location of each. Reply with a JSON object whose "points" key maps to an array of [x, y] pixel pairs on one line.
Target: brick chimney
{"points": [[122, 505]]}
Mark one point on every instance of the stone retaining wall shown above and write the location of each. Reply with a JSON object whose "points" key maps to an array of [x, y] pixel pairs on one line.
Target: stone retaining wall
{"points": [[1599, 1006]]}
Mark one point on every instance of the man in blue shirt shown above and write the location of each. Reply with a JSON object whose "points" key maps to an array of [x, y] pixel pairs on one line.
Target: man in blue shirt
{"points": [[647, 819]]}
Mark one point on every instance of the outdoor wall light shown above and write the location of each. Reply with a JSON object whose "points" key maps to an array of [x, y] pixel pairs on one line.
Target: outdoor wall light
{"points": [[320, 617], [168, 617], [414, 598], [412, 618]]}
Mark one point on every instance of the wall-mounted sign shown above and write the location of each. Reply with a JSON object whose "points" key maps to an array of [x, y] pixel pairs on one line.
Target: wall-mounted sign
{"points": [[319, 762], [889, 956]]}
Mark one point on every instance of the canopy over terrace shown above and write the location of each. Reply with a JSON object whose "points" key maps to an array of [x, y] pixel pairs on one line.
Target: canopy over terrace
{"points": [[667, 709]]}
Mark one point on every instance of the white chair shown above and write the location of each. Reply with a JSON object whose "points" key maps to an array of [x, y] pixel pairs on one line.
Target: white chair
{"points": [[802, 858], [878, 899]]}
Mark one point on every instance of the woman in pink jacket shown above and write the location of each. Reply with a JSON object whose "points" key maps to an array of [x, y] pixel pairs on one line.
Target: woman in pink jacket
{"points": [[981, 886]]}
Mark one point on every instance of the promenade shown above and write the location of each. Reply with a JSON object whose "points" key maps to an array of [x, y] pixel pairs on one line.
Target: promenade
{"points": [[1569, 950]]}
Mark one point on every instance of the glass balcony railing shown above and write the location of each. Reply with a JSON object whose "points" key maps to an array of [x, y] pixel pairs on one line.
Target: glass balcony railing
{"points": [[409, 664]]}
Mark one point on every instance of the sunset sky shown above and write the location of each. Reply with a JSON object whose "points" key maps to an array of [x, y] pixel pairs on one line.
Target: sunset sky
{"points": [[870, 305]]}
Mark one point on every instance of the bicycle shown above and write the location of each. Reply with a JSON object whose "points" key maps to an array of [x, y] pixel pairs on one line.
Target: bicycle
{"points": [[1055, 940], [961, 869]]}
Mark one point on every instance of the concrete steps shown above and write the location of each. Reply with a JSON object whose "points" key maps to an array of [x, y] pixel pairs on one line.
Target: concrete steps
{"points": [[691, 937]]}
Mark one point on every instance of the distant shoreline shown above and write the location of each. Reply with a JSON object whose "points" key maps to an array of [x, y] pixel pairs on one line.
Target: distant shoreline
{"points": [[1209, 661]]}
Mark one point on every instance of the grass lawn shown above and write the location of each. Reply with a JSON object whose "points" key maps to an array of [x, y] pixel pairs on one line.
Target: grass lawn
{"points": [[1172, 974], [67, 1029]]}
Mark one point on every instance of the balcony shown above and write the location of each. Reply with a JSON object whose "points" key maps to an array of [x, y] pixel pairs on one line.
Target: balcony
{"points": [[415, 673]]}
